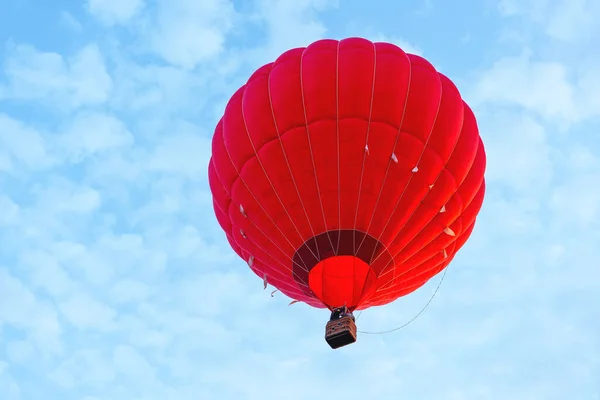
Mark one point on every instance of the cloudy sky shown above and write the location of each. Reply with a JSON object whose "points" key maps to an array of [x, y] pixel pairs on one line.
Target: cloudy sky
{"points": [[116, 281]]}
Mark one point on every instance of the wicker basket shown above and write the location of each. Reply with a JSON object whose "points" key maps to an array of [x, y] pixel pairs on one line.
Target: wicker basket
{"points": [[340, 332]]}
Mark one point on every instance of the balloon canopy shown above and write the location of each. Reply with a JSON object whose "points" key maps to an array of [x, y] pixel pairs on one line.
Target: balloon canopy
{"points": [[347, 173]]}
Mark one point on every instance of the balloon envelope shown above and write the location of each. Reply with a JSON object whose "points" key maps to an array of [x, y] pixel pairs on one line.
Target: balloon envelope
{"points": [[347, 173]]}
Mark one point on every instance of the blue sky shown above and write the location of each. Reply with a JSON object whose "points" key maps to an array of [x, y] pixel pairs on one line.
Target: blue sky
{"points": [[117, 283]]}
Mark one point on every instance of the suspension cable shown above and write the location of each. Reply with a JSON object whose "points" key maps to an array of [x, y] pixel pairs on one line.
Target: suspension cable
{"points": [[416, 316]]}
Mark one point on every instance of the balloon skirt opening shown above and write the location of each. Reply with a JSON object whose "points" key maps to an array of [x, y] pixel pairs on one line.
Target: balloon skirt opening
{"points": [[341, 281]]}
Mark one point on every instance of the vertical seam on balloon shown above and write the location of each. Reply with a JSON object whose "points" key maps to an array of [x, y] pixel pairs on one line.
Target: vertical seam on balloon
{"points": [[211, 165], [411, 176], [454, 193], [310, 147], [381, 294], [394, 281], [433, 183], [463, 209], [408, 289], [453, 221], [274, 271], [255, 199], [391, 284], [363, 167], [437, 177], [409, 79], [360, 183], [225, 212], [262, 208], [266, 174], [285, 266], [262, 233], [453, 242], [288, 166], [337, 133]]}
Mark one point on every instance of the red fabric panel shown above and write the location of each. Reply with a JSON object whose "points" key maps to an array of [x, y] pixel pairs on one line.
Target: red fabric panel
{"points": [[340, 280], [347, 135]]}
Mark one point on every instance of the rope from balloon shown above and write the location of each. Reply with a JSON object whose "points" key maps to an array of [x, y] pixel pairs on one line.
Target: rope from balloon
{"points": [[415, 317]]}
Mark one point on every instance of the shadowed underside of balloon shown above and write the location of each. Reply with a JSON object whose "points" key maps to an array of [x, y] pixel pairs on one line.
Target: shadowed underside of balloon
{"points": [[348, 173]]}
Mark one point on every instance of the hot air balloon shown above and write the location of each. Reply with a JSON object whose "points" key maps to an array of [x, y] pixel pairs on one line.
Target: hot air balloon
{"points": [[347, 174]]}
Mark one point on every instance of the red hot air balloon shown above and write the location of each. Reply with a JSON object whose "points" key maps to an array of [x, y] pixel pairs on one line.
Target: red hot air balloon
{"points": [[347, 173]]}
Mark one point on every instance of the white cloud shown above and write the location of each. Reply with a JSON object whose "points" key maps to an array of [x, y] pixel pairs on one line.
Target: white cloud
{"points": [[114, 11], [64, 83], [21, 144], [62, 197], [403, 44], [20, 351], [570, 21], [542, 87], [580, 158], [291, 23], [45, 329], [560, 91], [8, 385], [185, 151], [128, 290], [588, 86], [46, 273], [129, 362], [518, 152], [189, 32], [14, 292], [85, 312], [91, 133], [532, 7], [19, 308], [87, 367], [577, 201], [160, 92], [69, 21], [10, 211]]}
